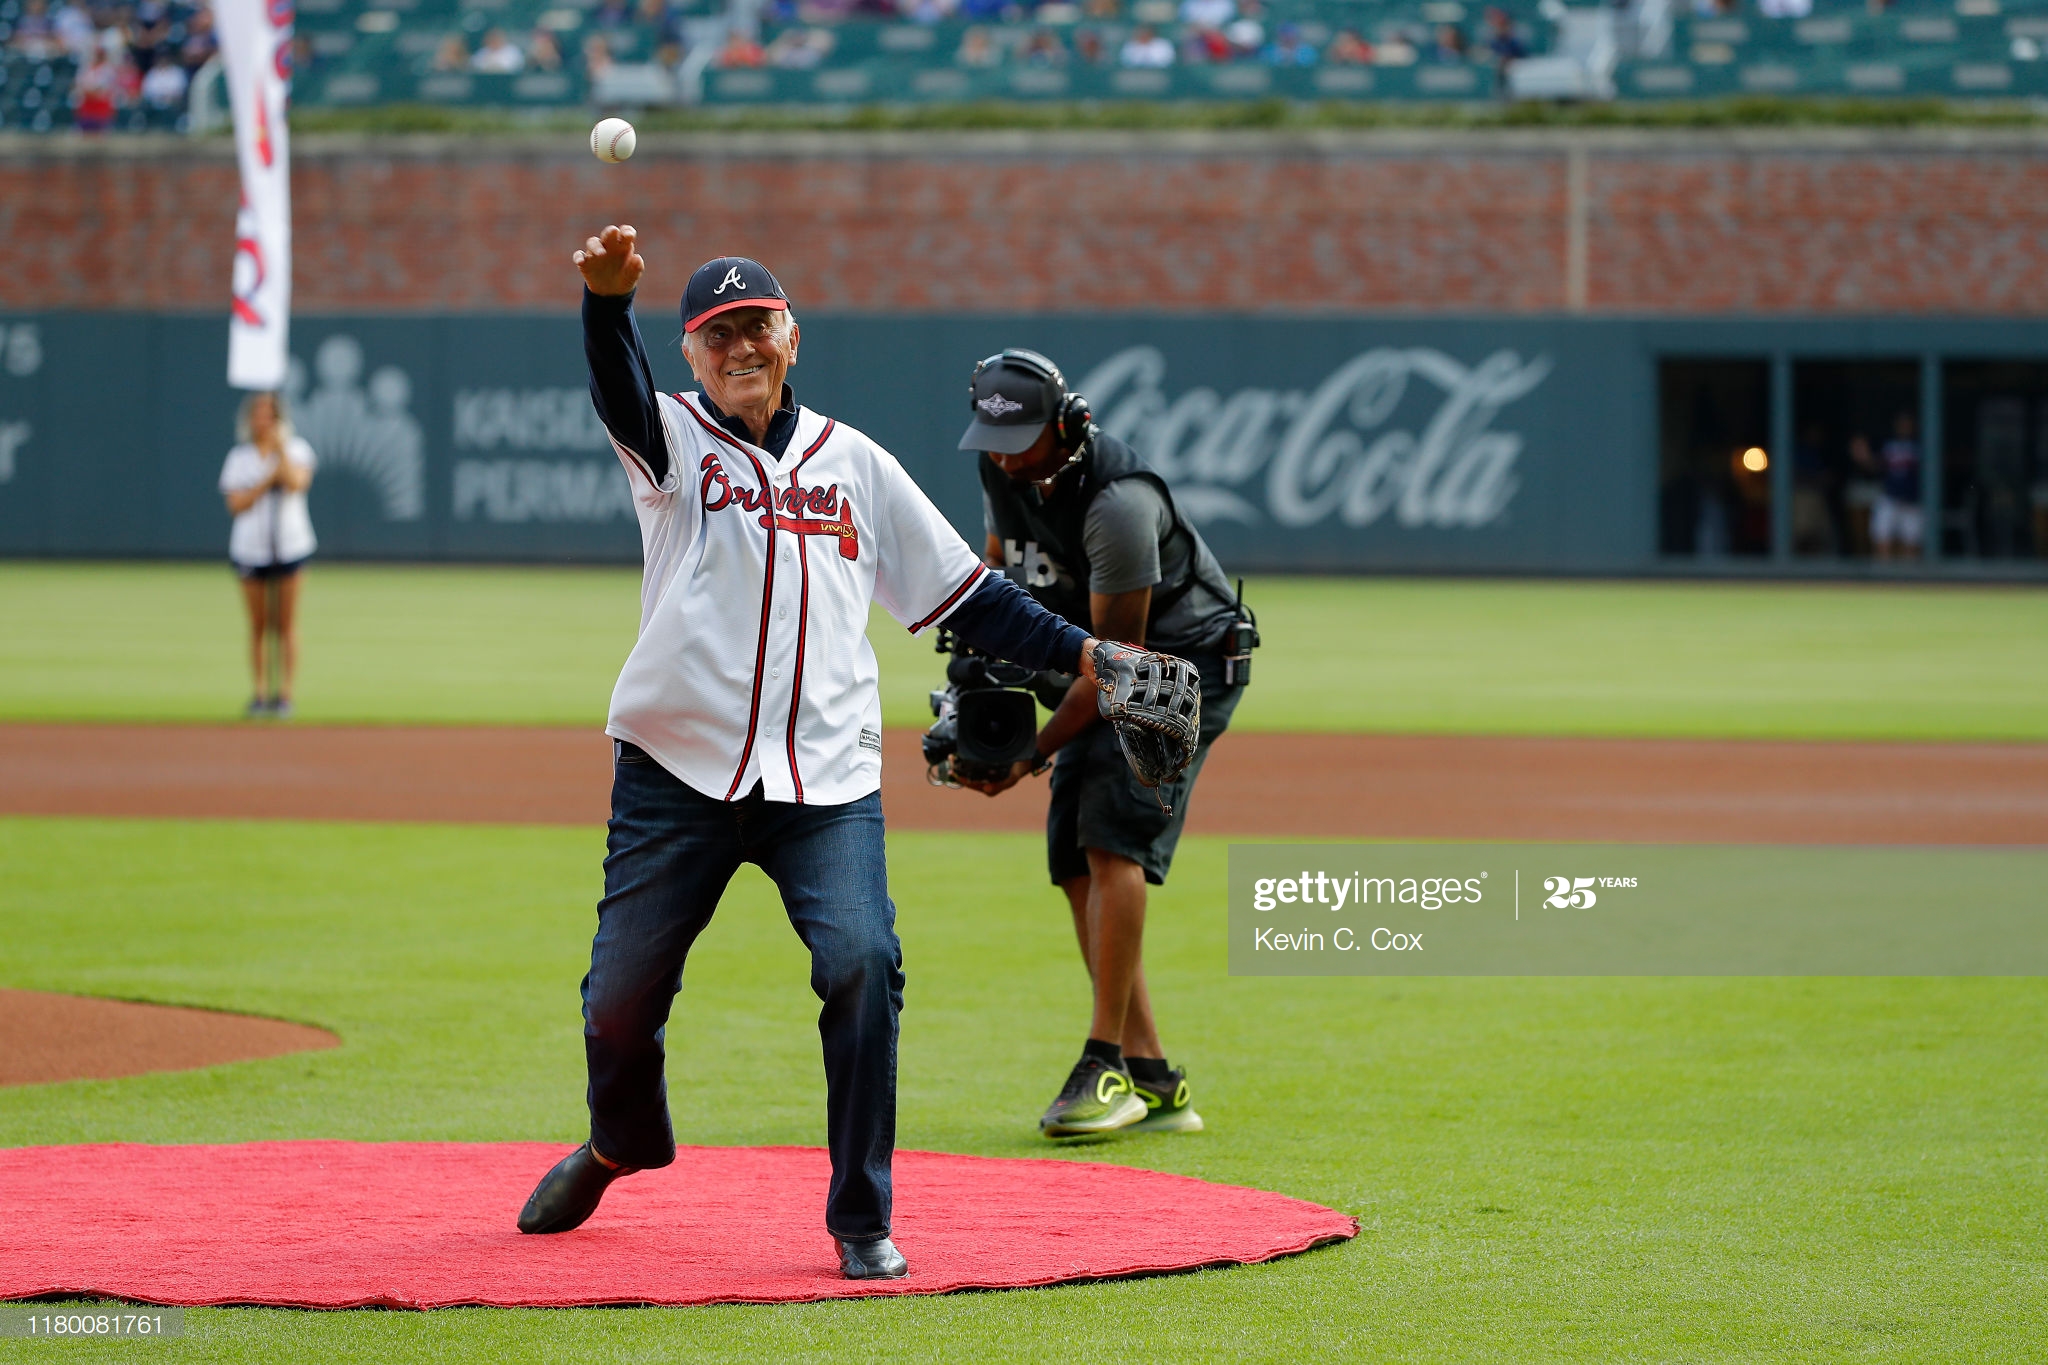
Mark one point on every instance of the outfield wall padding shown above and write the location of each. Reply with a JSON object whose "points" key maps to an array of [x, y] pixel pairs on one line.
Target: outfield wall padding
{"points": [[1318, 444]]}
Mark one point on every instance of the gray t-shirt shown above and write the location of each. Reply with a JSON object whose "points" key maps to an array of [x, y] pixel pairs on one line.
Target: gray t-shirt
{"points": [[1129, 540]]}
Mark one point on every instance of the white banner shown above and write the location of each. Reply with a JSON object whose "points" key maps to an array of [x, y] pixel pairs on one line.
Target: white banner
{"points": [[255, 44]]}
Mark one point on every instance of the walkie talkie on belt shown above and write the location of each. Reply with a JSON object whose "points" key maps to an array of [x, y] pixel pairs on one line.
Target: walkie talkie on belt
{"points": [[1239, 640]]}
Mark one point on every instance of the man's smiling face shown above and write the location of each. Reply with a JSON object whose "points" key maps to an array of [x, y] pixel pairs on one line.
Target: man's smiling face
{"points": [[741, 357]]}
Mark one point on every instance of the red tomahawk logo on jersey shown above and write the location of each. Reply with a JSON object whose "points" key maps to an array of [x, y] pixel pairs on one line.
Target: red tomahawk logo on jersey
{"points": [[848, 533]]}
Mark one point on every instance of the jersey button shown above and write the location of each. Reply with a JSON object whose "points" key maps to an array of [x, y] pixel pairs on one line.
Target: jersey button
{"points": [[774, 672]]}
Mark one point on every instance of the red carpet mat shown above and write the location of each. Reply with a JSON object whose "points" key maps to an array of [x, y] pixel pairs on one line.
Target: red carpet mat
{"points": [[430, 1225]]}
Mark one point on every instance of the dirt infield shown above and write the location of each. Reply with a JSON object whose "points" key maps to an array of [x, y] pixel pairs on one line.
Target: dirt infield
{"points": [[1256, 785], [47, 1038]]}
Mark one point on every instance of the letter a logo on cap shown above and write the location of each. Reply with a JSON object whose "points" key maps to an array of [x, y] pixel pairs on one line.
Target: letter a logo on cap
{"points": [[732, 277]]}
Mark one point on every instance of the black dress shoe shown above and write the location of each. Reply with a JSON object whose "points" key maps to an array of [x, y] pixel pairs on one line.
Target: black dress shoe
{"points": [[872, 1261], [569, 1193]]}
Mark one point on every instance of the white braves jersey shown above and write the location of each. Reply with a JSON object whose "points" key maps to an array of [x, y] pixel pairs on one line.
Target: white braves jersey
{"points": [[753, 662]]}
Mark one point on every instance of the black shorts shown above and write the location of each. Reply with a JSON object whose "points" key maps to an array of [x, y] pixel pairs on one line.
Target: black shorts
{"points": [[260, 572], [1096, 802]]}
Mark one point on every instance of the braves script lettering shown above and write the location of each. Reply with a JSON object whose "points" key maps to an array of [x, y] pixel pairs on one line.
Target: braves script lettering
{"points": [[1332, 451], [826, 516]]}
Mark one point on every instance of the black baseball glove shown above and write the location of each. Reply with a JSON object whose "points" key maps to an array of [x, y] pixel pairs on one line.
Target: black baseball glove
{"points": [[1155, 703]]}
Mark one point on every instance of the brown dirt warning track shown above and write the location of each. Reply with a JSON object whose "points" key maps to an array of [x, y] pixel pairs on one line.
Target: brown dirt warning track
{"points": [[1255, 785]]}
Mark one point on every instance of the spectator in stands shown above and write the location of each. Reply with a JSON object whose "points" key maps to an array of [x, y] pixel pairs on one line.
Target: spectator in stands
{"points": [[163, 88], [1395, 48], [1813, 495], [614, 19], [1348, 49], [1503, 44], [740, 50], [149, 34], [801, 49], [1145, 48], [543, 53], [928, 11], [1860, 493], [1044, 49], [1207, 13], [1203, 43], [452, 54], [977, 48], [1784, 9], [1247, 32], [597, 57], [35, 33], [94, 95], [1089, 47], [498, 56], [1289, 48], [662, 25], [1897, 525], [199, 43], [77, 34], [1499, 46], [1106, 10], [823, 11], [1449, 45]]}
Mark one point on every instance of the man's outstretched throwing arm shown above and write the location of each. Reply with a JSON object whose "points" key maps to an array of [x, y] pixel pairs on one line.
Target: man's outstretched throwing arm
{"points": [[621, 384]]}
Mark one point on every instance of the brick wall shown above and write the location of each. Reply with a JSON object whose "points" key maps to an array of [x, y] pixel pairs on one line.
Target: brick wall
{"points": [[1695, 223]]}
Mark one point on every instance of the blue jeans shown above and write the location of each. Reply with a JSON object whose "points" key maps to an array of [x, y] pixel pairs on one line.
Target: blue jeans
{"points": [[670, 854]]}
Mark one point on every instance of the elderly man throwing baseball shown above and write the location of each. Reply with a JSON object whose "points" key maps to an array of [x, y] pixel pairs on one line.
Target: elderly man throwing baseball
{"points": [[746, 726]]}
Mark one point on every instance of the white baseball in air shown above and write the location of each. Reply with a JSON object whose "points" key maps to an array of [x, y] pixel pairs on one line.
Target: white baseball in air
{"points": [[612, 140]]}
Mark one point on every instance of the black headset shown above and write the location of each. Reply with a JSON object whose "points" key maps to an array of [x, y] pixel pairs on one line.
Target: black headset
{"points": [[1071, 414]]}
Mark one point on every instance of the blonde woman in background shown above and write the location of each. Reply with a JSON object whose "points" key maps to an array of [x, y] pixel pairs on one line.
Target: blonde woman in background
{"points": [[265, 481]]}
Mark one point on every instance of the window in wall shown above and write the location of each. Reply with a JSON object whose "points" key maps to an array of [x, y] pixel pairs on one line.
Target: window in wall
{"points": [[1995, 459], [1714, 419], [1856, 459]]}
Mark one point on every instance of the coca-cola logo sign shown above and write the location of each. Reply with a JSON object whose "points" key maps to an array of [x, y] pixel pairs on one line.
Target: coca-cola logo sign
{"points": [[1302, 457]]}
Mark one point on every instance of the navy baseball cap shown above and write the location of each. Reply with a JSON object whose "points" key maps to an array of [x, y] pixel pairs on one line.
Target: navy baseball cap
{"points": [[727, 283], [1014, 395]]}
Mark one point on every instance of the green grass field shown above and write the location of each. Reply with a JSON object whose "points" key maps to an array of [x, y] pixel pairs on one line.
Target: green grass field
{"points": [[1545, 1170], [163, 642]]}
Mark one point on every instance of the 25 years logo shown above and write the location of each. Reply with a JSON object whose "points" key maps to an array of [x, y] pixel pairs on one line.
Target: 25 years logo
{"points": [[1580, 893]]}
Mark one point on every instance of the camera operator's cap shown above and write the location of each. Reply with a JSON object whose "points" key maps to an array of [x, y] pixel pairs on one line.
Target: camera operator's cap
{"points": [[727, 283], [1014, 395]]}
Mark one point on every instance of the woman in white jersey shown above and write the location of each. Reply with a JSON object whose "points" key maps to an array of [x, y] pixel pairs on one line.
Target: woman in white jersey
{"points": [[265, 481]]}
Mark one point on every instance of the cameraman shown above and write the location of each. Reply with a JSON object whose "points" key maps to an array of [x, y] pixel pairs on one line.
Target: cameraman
{"points": [[1075, 518]]}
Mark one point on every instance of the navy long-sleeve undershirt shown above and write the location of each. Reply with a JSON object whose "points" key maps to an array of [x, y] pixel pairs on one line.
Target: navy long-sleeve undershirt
{"points": [[1002, 619]]}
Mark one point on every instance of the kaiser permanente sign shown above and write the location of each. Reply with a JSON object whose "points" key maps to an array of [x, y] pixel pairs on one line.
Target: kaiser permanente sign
{"points": [[1322, 444], [1634, 910]]}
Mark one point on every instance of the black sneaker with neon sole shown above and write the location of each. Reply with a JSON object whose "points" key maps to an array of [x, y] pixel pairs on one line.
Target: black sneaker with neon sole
{"points": [[1168, 1106], [1097, 1098]]}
